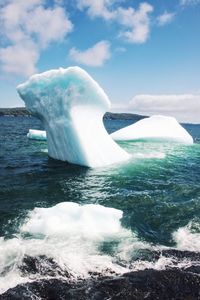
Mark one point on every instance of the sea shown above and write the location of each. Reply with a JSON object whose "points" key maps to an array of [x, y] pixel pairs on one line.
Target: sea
{"points": [[125, 231]]}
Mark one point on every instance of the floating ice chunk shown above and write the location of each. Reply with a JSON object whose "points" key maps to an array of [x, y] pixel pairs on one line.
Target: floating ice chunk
{"points": [[34, 134], [160, 128], [72, 236], [71, 219], [71, 106]]}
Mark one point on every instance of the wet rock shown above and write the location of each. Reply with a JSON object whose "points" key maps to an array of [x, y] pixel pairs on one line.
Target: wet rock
{"points": [[193, 256], [41, 265], [148, 284]]}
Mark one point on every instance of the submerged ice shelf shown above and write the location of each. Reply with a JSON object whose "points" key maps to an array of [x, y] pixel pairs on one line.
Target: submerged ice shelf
{"points": [[155, 128], [71, 106]]}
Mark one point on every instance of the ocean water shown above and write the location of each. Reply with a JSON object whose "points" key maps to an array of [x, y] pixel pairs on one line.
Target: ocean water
{"points": [[80, 221]]}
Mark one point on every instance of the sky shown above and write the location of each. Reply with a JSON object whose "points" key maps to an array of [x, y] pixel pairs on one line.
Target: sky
{"points": [[144, 54]]}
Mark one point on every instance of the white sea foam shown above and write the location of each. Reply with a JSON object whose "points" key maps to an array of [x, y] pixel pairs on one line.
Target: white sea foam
{"points": [[70, 234], [159, 264], [74, 236], [11, 253], [186, 238], [151, 155]]}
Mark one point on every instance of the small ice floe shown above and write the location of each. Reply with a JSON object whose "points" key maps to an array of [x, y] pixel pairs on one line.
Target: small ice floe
{"points": [[155, 128], [34, 134]]}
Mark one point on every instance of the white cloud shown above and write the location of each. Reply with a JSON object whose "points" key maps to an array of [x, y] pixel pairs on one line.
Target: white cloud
{"points": [[27, 27], [48, 24], [120, 49], [94, 56], [19, 59], [165, 18], [189, 2], [97, 8], [185, 107], [135, 22]]}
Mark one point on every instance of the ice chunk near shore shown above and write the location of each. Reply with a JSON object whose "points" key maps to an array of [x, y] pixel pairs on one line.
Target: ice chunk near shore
{"points": [[66, 219], [158, 128], [71, 106], [39, 135]]}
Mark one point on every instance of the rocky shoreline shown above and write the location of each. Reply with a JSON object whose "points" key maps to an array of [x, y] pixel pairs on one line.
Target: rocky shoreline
{"points": [[148, 284], [54, 283], [16, 111]]}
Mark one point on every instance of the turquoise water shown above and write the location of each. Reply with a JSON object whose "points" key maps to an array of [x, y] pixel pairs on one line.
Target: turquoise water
{"points": [[158, 189]]}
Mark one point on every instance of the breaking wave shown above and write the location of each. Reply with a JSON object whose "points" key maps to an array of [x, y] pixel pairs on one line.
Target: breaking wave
{"points": [[80, 240]]}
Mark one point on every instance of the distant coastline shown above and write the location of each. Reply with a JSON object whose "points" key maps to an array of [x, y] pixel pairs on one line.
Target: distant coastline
{"points": [[22, 111], [15, 111]]}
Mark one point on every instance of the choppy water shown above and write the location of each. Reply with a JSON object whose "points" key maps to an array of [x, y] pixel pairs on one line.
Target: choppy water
{"points": [[149, 204]]}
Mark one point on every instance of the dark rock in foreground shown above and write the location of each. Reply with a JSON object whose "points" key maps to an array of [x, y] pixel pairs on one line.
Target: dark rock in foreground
{"points": [[147, 284], [42, 266], [50, 281]]}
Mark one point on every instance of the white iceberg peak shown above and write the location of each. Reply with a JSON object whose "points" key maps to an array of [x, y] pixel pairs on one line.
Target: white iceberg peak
{"points": [[71, 106]]}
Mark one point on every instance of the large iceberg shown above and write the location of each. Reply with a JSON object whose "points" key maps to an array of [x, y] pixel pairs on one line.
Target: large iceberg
{"points": [[71, 106], [155, 128]]}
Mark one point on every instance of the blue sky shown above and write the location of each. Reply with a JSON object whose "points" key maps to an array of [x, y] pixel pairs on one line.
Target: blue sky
{"points": [[145, 54]]}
